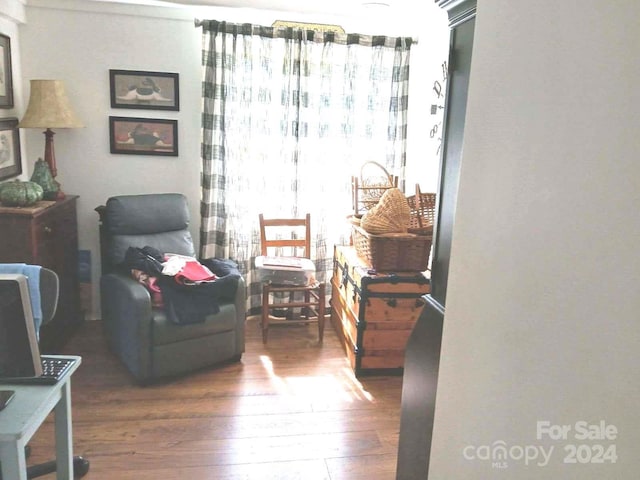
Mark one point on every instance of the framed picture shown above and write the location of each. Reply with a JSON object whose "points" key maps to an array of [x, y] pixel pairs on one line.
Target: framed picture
{"points": [[143, 136], [10, 158], [6, 80], [145, 90]]}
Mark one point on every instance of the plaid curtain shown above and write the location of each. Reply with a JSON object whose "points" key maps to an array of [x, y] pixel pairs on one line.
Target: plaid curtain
{"points": [[288, 116]]}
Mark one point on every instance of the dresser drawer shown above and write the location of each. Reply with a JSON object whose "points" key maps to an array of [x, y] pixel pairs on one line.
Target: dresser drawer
{"points": [[46, 234], [17, 239], [55, 237]]}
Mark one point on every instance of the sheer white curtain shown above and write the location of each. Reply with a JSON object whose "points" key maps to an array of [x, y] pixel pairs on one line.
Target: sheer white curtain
{"points": [[288, 116]]}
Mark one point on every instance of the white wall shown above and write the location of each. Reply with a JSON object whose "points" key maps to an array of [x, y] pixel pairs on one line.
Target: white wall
{"points": [[79, 41], [80, 47], [424, 129], [542, 306]]}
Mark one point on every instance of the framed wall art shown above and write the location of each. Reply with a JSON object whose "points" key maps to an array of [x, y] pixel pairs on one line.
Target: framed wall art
{"points": [[143, 136], [10, 158], [144, 90], [6, 80]]}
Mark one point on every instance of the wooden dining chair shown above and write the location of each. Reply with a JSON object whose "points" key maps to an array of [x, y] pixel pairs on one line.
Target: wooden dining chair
{"points": [[288, 276]]}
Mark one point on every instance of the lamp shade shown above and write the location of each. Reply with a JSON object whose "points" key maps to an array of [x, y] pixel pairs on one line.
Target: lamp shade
{"points": [[49, 107]]}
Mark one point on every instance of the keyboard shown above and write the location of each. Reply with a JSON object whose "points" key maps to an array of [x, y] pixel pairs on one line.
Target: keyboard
{"points": [[53, 369]]}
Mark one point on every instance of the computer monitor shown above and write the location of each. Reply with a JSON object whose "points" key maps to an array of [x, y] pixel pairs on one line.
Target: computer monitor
{"points": [[19, 352]]}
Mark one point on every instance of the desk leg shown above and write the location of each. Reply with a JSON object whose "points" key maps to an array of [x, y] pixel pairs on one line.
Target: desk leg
{"points": [[14, 464], [64, 437]]}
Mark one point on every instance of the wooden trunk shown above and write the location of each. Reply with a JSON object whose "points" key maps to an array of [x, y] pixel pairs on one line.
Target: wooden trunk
{"points": [[374, 314]]}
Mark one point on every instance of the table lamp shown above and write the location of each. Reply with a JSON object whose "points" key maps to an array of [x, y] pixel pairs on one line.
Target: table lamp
{"points": [[49, 108]]}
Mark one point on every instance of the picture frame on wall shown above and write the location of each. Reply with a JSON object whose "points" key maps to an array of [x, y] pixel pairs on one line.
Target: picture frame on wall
{"points": [[140, 89], [143, 136], [6, 77], [10, 157]]}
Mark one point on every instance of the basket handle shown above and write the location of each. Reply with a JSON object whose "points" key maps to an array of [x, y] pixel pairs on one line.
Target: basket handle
{"points": [[377, 165], [418, 202]]}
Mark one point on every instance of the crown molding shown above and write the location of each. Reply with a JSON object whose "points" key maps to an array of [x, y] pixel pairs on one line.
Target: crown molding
{"points": [[459, 11], [13, 10]]}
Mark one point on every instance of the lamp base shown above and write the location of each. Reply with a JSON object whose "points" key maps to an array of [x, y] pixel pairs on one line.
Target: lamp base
{"points": [[59, 195], [50, 158]]}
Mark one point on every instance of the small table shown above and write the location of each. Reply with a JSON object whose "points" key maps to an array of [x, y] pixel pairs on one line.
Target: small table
{"points": [[24, 415]]}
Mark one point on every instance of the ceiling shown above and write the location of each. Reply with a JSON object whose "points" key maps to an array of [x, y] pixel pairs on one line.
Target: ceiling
{"points": [[331, 7]]}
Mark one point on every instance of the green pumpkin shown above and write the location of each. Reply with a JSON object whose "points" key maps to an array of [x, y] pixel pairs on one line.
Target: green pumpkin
{"points": [[20, 194], [42, 176]]}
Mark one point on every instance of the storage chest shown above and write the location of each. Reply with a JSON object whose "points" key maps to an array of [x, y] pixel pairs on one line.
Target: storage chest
{"points": [[374, 314]]}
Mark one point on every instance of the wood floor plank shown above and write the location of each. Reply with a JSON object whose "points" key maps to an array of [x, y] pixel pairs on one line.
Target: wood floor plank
{"points": [[365, 467], [193, 429], [301, 470], [291, 409], [229, 451]]}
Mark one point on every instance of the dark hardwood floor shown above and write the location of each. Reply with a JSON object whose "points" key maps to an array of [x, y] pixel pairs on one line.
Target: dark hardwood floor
{"points": [[290, 410]]}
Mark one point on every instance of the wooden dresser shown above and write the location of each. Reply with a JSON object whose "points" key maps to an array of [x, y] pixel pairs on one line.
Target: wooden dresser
{"points": [[374, 314], [46, 234]]}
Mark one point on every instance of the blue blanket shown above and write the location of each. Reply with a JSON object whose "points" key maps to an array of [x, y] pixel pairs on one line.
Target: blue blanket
{"points": [[32, 272]]}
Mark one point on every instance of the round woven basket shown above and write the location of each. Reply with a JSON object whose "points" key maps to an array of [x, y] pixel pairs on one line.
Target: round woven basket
{"points": [[354, 219], [390, 215], [375, 180]]}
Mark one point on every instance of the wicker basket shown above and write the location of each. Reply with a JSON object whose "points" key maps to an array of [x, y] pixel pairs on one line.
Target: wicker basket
{"points": [[366, 190], [393, 252], [423, 208], [390, 215], [354, 219]]}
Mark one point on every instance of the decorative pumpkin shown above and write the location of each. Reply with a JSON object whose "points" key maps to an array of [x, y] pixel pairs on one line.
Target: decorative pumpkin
{"points": [[42, 176], [20, 194]]}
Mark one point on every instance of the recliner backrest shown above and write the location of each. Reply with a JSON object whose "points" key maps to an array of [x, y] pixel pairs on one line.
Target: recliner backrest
{"points": [[159, 220]]}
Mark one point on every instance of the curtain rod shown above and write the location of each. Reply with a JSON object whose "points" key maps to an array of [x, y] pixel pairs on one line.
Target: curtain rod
{"points": [[268, 31]]}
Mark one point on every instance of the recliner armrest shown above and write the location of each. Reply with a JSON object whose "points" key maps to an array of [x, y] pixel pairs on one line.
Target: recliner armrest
{"points": [[241, 314], [127, 317]]}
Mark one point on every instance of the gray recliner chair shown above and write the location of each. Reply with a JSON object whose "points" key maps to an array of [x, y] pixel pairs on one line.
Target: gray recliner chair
{"points": [[143, 336]]}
